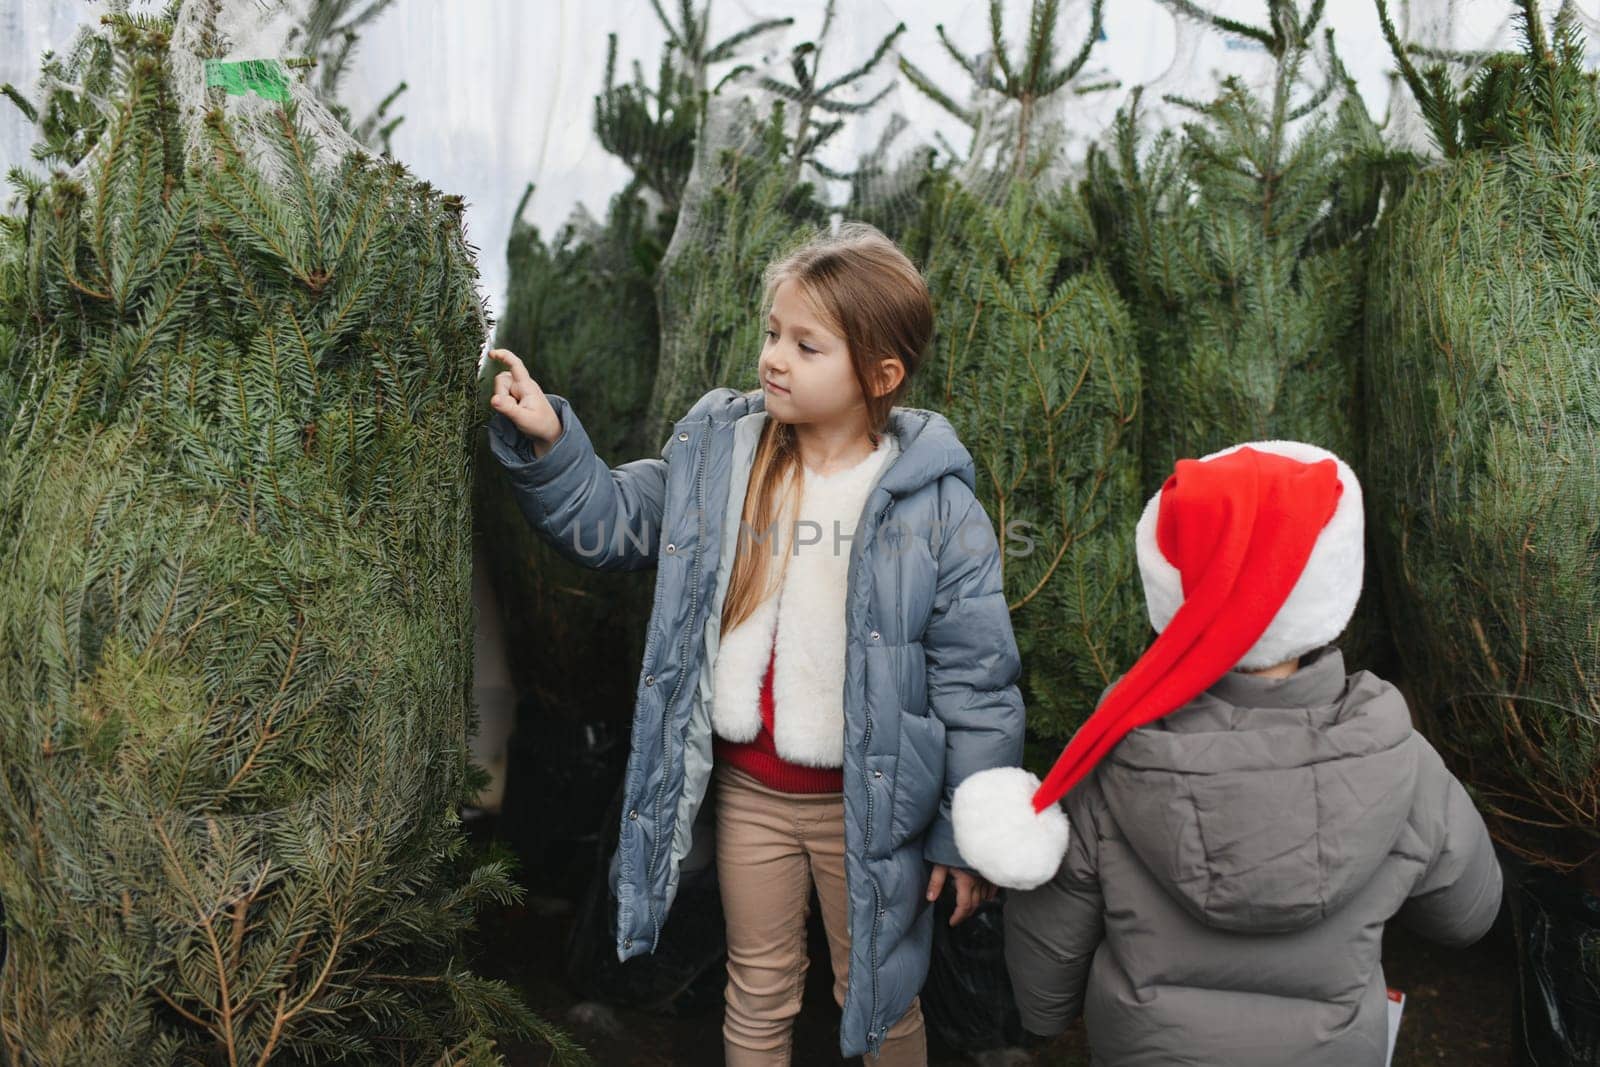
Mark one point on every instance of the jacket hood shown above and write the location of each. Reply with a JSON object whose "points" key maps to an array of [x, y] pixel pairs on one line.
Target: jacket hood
{"points": [[929, 447], [1263, 805]]}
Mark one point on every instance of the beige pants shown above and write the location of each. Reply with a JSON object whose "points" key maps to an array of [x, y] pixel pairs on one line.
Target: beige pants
{"points": [[770, 847]]}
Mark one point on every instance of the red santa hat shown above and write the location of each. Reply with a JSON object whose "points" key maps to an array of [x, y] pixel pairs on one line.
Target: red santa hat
{"points": [[1250, 557]]}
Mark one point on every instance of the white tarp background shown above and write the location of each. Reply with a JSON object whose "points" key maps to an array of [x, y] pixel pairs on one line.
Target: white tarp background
{"points": [[500, 92]]}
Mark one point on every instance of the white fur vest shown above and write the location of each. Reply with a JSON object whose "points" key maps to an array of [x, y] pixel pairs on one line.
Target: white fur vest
{"points": [[807, 614]]}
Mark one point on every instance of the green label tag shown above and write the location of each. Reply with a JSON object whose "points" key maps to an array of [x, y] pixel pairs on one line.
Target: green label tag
{"points": [[267, 78]]}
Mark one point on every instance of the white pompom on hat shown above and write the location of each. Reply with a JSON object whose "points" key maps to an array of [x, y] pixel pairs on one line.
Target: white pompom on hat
{"points": [[1000, 835]]}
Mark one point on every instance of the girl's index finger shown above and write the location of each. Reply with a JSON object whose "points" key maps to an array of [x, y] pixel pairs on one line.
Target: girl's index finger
{"points": [[519, 372]]}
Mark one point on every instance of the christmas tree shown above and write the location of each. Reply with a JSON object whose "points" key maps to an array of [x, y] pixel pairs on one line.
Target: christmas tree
{"points": [[744, 209], [1240, 243], [11, 247], [749, 199], [1035, 365], [582, 311], [234, 495], [1482, 341], [1013, 100], [581, 308]]}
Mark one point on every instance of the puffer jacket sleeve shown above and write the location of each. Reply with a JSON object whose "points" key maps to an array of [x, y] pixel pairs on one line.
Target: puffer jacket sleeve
{"points": [[1052, 932], [1458, 896], [972, 660], [607, 518]]}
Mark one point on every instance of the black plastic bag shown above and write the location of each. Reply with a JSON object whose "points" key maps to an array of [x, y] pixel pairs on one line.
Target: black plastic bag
{"points": [[560, 776], [967, 999], [687, 972], [1557, 927]]}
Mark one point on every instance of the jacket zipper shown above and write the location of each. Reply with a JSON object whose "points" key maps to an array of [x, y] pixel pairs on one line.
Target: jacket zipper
{"points": [[866, 837], [666, 712]]}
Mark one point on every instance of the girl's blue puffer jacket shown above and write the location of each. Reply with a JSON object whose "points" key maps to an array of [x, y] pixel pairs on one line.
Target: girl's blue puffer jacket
{"points": [[931, 665]]}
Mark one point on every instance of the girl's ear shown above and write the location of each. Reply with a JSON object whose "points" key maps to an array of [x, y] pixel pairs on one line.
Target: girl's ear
{"points": [[889, 373]]}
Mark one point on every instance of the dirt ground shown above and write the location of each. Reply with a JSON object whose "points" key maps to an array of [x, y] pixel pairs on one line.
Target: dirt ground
{"points": [[1459, 1008]]}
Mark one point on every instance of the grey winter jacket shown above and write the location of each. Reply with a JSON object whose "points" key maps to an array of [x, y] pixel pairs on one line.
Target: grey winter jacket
{"points": [[931, 663], [1230, 871]]}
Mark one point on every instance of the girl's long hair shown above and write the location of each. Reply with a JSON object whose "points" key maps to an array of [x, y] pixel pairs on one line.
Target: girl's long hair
{"points": [[875, 298]]}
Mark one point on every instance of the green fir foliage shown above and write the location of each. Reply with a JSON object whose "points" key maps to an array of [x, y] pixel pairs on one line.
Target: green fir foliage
{"points": [[1483, 339], [237, 622], [1023, 81], [745, 210], [1240, 243], [1034, 363]]}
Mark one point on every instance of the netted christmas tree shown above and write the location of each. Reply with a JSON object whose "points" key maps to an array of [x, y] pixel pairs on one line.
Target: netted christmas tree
{"points": [[1034, 363], [327, 32], [11, 246], [581, 309], [1484, 389], [236, 615], [751, 196], [1239, 242], [745, 209]]}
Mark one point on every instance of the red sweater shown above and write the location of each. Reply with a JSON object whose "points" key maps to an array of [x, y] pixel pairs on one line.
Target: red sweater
{"points": [[759, 758]]}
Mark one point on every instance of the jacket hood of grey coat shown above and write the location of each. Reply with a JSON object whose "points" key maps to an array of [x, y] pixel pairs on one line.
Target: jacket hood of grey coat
{"points": [[1264, 805]]}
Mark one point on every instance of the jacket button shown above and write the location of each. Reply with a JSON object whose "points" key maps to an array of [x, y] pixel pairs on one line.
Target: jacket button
{"points": [[634, 814], [670, 549], [873, 635], [683, 437], [628, 943], [649, 679], [877, 774]]}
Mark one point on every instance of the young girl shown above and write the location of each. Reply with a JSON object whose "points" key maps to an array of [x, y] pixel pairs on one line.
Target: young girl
{"points": [[830, 644]]}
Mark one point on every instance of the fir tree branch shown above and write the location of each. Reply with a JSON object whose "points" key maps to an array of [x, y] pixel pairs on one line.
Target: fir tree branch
{"points": [[923, 84]]}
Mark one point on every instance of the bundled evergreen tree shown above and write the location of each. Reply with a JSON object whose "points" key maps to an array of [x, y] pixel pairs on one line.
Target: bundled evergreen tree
{"points": [[11, 246], [581, 309], [689, 36], [744, 209], [652, 130], [236, 614], [1484, 389], [810, 96], [1009, 131], [749, 199], [1035, 365], [1240, 243]]}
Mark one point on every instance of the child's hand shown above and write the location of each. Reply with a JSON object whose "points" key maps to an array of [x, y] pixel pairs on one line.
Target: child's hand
{"points": [[518, 397], [971, 890]]}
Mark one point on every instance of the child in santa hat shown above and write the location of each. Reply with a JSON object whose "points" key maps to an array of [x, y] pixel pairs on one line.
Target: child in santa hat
{"points": [[1242, 817]]}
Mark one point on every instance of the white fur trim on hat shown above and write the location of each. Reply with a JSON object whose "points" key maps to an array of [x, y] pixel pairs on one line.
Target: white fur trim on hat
{"points": [[1319, 606], [999, 834]]}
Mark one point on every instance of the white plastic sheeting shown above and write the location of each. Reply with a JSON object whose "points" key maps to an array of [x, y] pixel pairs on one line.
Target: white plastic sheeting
{"points": [[501, 92]]}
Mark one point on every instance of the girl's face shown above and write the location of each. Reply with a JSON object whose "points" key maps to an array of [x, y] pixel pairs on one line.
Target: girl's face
{"points": [[807, 375]]}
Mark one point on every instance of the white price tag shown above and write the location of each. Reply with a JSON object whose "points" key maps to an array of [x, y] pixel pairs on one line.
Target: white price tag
{"points": [[1397, 1004]]}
